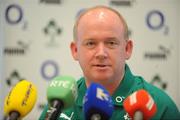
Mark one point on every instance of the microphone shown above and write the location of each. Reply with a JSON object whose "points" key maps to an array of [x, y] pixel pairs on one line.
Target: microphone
{"points": [[97, 103], [140, 105], [20, 100], [61, 94]]}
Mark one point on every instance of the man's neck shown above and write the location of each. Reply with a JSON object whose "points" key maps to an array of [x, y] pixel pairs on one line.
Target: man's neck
{"points": [[110, 86]]}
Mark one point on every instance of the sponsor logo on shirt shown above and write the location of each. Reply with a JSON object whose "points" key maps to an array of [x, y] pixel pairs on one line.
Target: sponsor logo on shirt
{"points": [[127, 117], [66, 117]]}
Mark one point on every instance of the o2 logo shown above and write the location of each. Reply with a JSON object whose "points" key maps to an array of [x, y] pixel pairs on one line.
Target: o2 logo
{"points": [[49, 69], [14, 15], [155, 20]]}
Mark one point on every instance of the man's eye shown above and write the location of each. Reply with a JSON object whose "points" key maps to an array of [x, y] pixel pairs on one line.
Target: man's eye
{"points": [[89, 44], [112, 44]]}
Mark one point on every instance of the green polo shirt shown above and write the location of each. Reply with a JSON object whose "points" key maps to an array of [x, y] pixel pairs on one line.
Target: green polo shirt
{"points": [[166, 108]]}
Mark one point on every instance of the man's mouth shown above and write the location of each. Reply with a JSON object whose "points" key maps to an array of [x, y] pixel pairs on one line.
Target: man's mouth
{"points": [[101, 65]]}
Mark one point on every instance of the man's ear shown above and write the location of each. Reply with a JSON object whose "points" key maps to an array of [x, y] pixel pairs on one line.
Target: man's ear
{"points": [[129, 48], [73, 47]]}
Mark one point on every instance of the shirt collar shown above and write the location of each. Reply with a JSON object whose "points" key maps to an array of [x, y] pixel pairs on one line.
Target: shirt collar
{"points": [[125, 87], [120, 94], [81, 91]]}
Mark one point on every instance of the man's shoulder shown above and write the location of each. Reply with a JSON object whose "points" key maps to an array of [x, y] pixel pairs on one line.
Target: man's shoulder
{"points": [[165, 105], [159, 96], [156, 92], [153, 90]]}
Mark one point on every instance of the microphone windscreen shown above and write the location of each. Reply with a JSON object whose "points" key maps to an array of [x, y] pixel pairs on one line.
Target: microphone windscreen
{"points": [[97, 101], [21, 98], [63, 88], [140, 101]]}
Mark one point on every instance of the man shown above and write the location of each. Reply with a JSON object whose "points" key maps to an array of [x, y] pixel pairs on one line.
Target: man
{"points": [[101, 46]]}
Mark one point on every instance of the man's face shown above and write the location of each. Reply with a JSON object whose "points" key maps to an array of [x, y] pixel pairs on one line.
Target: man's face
{"points": [[101, 48]]}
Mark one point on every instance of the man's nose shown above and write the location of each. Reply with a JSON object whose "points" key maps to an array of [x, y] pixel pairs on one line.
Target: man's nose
{"points": [[101, 51]]}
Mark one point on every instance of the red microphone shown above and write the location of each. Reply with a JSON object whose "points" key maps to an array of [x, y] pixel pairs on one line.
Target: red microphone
{"points": [[140, 105]]}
